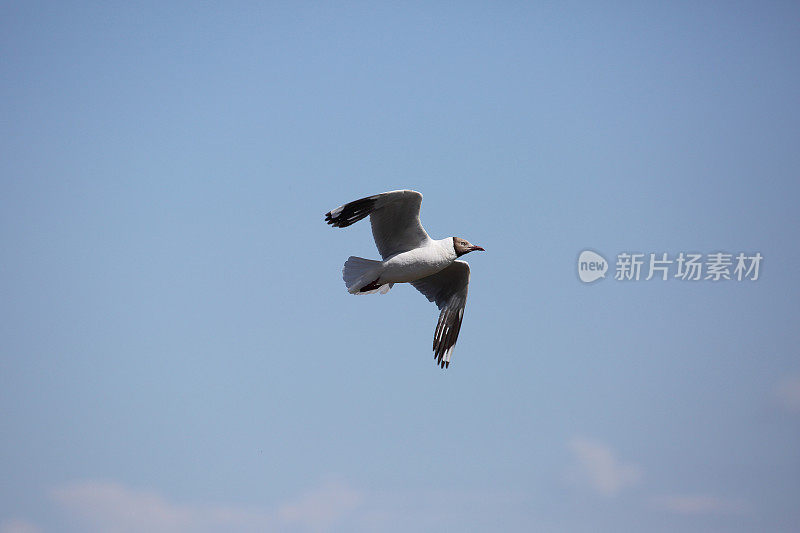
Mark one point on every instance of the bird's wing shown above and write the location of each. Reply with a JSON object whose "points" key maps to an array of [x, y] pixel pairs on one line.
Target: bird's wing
{"points": [[394, 216], [448, 289]]}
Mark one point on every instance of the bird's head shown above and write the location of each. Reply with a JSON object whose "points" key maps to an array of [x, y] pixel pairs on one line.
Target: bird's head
{"points": [[463, 246]]}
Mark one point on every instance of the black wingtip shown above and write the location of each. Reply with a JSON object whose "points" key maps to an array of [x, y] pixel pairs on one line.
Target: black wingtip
{"points": [[335, 222], [351, 213]]}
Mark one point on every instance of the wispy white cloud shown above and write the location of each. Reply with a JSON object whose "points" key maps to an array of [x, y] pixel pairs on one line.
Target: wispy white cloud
{"points": [[115, 508], [695, 504], [597, 466], [788, 393], [18, 526], [319, 509], [101, 506]]}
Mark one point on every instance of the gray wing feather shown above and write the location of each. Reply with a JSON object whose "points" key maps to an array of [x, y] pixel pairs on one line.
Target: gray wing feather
{"points": [[394, 217], [448, 289]]}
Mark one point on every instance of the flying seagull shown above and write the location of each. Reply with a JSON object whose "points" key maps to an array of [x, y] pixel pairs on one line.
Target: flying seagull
{"points": [[409, 256]]}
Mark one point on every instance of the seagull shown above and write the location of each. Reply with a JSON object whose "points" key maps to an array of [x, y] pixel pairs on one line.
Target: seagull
{"points": [[409, 256]]}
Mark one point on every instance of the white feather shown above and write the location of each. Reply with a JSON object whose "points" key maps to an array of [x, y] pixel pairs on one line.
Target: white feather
{"points": [[359, 272]]}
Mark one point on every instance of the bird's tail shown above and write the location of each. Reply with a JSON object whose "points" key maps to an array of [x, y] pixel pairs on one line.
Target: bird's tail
{"points": [[361, 275]]}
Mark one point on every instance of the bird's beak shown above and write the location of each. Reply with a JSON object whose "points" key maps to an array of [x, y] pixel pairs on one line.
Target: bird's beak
{"points": [[476, 248]]}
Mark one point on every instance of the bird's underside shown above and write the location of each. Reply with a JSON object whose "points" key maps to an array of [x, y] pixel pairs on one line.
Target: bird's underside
{"points": [[404, 244]]}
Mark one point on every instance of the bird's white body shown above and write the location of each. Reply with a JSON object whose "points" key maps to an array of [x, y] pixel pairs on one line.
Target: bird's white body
{"points": [[418, 263]]}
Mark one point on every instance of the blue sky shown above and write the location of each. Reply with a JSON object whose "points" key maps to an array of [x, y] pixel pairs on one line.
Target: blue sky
{"points": [[179, 352]]}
